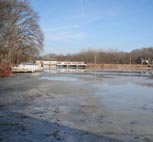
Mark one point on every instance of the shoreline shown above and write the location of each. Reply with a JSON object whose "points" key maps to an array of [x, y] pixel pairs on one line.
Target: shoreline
{"points": [[118, 67], [6, 72]]}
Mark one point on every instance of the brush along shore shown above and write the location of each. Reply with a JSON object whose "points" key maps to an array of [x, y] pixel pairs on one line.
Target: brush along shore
{"points": [[118, 67]]}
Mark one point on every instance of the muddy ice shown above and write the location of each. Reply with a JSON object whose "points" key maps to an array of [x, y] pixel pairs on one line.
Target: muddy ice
{"points": [[85, 107]]}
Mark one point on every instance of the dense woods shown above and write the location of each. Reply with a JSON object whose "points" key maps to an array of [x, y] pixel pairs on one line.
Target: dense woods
{"points": [[111, 56], [20, 35]]}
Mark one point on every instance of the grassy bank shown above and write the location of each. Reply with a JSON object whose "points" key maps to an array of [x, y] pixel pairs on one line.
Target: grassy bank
{"points": [[118, 67]]}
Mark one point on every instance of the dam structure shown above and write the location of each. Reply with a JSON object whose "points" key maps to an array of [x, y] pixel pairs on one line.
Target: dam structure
{"points": [[61, 65]]}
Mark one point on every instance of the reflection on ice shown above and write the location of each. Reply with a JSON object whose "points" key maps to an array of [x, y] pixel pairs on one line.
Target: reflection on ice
{"points": [[118, 90], [125, 97], [60, 78], [66, 71], [121, 73], [117, 104]]}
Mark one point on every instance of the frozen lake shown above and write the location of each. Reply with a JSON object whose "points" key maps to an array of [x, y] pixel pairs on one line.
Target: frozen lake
{"points": [[72, 107], [119, 91]]}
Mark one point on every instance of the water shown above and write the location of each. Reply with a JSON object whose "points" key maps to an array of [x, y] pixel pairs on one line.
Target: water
{"points": [[60, 78], [119, 91], [114, 104], [126, 97]]}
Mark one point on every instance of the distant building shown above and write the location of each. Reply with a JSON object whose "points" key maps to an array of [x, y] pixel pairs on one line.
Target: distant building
{"points": [[146, 61]]}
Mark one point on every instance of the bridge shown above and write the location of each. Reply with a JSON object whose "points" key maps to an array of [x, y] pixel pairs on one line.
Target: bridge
{"points": [[61, 65]]}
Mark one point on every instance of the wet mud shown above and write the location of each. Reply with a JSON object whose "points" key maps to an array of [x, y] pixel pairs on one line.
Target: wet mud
{"points": [[85, 107]]}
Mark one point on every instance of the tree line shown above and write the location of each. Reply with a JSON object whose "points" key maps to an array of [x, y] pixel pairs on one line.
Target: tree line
{"points": [[101, 56], [21, 37]]}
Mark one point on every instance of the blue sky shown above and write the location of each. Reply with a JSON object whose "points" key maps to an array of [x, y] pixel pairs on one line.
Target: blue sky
{"points": [[71, 26]]}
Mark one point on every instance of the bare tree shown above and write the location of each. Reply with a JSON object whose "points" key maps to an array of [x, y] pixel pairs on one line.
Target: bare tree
{"points": [[20, 33], [110, 56]]}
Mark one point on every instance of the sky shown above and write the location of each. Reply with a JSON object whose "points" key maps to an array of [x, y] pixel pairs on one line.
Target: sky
{"points": [[72, 26]]}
